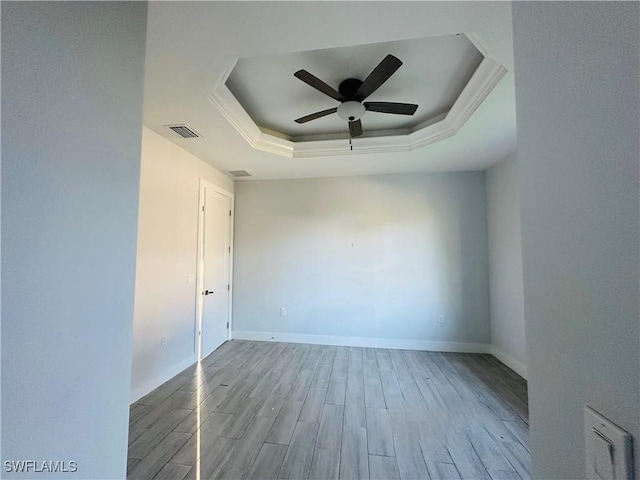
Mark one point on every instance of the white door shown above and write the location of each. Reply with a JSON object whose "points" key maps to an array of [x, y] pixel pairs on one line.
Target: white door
{"points": [[215, 269]]}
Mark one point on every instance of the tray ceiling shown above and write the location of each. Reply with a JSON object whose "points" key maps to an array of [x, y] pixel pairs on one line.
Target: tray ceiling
{"points": [[193, 46], [434, 72]]}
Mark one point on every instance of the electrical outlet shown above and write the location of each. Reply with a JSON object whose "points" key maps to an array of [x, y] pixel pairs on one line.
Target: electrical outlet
{"points": [[191, 278], [283, 312], [440, 318], [163, 339]]}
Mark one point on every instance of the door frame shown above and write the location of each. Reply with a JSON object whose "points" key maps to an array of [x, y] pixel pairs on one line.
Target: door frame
{"points": [[203, 185]]}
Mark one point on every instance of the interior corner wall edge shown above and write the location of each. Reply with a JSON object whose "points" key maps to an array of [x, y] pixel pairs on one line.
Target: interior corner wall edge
{"points": [[72, 93], [577, 75], [506, 303], [375, 257], [1, 457], [166, 260]]}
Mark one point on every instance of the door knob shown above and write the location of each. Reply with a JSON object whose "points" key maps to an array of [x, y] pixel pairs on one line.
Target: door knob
{"points": [[208, 292]]}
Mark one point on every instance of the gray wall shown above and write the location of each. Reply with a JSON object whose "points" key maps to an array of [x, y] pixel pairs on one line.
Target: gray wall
{"points": [[505, 264], [72, 84], [577, 74], [373, 257], [165, 298]]}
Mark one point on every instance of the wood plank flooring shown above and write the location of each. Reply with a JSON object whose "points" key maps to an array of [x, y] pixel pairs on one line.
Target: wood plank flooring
{"points": [[265, 410]]}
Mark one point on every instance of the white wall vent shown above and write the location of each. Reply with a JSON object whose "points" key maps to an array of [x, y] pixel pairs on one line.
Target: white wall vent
{"points": [[239, 173], [184, 131]]}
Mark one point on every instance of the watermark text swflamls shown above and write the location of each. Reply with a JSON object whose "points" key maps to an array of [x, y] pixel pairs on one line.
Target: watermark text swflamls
{"points": [[48, 466]]}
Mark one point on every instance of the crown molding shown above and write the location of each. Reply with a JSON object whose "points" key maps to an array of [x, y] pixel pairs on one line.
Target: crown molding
{"points": [[482, 82]]}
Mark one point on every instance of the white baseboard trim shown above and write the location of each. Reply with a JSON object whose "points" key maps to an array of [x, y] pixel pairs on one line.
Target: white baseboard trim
{"points": [[150, 385], [395, 343], [510, 362]]}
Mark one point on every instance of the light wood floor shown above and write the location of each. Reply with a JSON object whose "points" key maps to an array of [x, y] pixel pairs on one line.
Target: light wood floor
{"points": [[263, 410]]}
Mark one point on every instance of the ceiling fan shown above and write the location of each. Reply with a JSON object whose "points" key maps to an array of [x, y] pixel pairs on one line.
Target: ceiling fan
{"points": [[352, 92]]}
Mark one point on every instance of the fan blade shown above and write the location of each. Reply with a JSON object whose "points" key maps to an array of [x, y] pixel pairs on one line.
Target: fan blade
{"points": [[318, 84], [313, 116], [355, 128], [391, 107], [380, 74]]}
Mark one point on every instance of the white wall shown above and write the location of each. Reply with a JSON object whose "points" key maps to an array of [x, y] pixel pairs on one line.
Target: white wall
{"points": [[72, 86], [577, 71], [505, 265], [167, 253], [363, 259]]}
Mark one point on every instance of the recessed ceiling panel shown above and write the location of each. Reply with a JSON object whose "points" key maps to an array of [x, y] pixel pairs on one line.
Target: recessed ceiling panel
{"points": [[435, 70]]}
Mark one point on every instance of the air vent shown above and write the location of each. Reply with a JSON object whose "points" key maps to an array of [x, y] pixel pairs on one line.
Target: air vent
{"points": [[184, 131], [239, 173]]}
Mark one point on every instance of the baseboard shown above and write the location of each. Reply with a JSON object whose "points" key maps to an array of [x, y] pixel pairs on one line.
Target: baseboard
{"points": [[510, 362], [150, 385], [395, 343]]}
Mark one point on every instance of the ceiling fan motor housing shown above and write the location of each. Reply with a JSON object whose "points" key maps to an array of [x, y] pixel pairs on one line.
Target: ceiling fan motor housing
{"points": [[349, 87]]}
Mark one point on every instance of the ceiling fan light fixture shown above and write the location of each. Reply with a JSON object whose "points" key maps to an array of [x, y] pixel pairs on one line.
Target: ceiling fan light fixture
{"points": [[351, 111]]}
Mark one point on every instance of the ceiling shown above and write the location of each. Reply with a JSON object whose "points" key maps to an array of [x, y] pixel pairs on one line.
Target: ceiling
{"points": [[192, 47]]}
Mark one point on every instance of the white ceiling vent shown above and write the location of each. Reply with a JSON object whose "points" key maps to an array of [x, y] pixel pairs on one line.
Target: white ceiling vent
{"points": [[239, 173], [184, 131]]}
